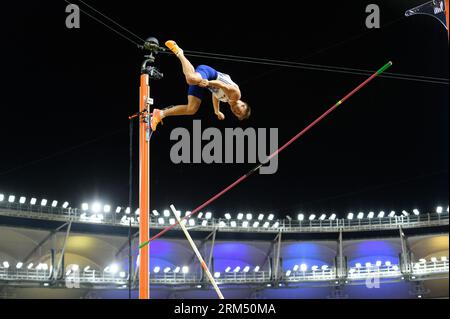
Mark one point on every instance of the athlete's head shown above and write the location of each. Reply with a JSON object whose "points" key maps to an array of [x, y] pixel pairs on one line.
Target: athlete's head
{"points": [[241, 110]]}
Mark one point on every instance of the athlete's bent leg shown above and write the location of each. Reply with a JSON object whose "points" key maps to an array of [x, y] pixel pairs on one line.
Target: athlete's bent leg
{"points": [[192, 77], [179, 110]]}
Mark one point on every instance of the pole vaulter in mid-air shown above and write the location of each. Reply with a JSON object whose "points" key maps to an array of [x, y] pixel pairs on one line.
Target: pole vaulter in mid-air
{"points": [[200, 79]]}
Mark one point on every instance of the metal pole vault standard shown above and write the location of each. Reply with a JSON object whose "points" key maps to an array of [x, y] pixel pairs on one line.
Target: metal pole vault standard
{"points": [[144, 186], [276, 153], [197, 253]]}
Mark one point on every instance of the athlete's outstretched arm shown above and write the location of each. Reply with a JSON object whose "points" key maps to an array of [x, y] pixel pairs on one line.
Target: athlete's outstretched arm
{"points": [[216, 105]]}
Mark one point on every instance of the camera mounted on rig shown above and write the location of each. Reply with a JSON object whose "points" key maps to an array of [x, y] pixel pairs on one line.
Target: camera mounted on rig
{"points": [[151, 45]]}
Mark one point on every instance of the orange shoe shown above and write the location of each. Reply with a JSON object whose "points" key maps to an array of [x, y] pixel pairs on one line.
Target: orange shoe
{"points": [[173, 46], [156, 119]]}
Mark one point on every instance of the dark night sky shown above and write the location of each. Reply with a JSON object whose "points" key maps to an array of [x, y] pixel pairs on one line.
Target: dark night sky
{"points": [[387, 148]]}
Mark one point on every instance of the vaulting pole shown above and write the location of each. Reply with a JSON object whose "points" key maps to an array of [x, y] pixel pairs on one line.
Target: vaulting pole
{"points": [[144, 187], [197, 253], [276, 153]]}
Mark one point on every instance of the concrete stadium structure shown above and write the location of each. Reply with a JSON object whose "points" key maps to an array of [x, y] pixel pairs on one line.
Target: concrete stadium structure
{"points": [[50, 252]]}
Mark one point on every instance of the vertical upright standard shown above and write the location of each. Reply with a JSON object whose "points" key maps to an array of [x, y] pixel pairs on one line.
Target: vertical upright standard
{"points": [[144, 186], [148, 73]]}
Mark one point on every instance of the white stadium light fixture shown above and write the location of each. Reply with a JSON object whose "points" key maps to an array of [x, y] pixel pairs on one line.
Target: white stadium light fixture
{"points": [[233, 223], [227, 216], [204, 223], [33, 201], [237, 269], [266, 225], [87, 268], [303, 267], [296, 267], [2, 197], [322, 217], [222, 224], [128, 210], [191, 222], [161, 221], [314, 268], [360, 215], [246, 269], [350, 216], [11, 198], [118, 209], [312, 217], [185, 269], [444, 258], [255, 224], [228, 269], [156, 269], [257, 269], [166, 213], [392, 213], [84, 206], [240, 216], [271, 217], [301, 217], [388, 263], [5, 264], [200, 215], [107, 209], [166, 270], [30, 266], [371, 215], [54, 203], [155, 213], [249, 216], [324, 267], [96, 207], [416, 212], [288, 273], [332, 217], [177, 270], [114, 268], [122, 274], [74, 267], [217, 275], [395, 268], [358, 265], [245, 224], [19, 265], [65, 205], [208, 215], [276, 225], [381, 214], [433, 259], [22, 200], [368, 265], [260, 217], [378, 263], [172, 221], [44, 202], [422, 261], [405, 213], [439, 210]]}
